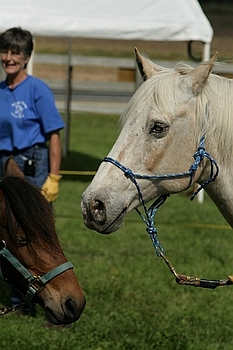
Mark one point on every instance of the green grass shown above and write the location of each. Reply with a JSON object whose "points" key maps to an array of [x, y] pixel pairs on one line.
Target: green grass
{"points": [[133, 301]]}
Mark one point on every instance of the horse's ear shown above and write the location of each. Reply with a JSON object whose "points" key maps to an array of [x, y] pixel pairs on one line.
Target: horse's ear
{"points": [[200, 74], [146, 67], [12, 169]]}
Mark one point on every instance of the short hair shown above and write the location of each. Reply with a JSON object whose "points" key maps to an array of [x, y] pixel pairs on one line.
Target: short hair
{"points": [[17, 39]]}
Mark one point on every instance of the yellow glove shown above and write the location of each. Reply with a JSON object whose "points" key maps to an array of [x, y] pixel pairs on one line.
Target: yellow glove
{"points": [[51, 187]]}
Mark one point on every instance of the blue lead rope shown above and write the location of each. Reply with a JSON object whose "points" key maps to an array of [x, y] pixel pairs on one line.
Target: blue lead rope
{"points": [[151, 229]]}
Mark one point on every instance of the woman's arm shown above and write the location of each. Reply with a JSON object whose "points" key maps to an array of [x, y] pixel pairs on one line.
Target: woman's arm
{"points": [[54, 153]]}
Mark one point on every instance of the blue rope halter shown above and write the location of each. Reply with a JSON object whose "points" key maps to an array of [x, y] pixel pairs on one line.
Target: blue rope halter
{"points": [[150, 213]]}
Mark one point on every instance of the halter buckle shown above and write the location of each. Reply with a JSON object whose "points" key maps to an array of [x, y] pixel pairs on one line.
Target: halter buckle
{"points": [[38, 281]]}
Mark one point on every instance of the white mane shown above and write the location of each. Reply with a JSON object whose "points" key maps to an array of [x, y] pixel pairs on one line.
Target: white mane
{"points": [[214, 105]]}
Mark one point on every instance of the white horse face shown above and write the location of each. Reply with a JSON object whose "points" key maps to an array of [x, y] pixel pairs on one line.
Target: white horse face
{"points": [[155, 139]]}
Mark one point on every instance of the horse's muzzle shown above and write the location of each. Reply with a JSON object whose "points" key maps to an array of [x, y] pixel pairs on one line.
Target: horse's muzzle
{"points": [[96, 218], [94, 214]]}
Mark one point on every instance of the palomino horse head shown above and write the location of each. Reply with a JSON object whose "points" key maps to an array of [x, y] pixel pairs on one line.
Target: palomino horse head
{"points": [[161, 130], [27, 230]]}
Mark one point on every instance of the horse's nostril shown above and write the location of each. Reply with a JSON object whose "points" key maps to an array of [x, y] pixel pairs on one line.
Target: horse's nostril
{"points": [[98, 211], [70, 307], [98, 205]]}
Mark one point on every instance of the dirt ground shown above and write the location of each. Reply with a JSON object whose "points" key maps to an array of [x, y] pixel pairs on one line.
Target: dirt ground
{"points": [[219, 13]]}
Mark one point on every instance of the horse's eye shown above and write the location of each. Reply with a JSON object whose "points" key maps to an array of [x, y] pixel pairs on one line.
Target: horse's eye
{"points": [[159, 128], [22, 241]]}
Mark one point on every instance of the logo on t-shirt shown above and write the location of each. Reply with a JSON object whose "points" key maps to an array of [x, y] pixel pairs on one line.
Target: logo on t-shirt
{"points": [[19, 107]]}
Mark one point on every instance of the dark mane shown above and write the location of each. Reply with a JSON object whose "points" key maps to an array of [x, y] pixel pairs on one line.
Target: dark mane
{"points": [[30, 209]]}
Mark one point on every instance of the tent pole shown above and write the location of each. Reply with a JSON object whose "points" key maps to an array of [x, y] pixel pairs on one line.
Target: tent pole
{"points": [[206, 53], [68, 100], [31, 61], [206, 57]]}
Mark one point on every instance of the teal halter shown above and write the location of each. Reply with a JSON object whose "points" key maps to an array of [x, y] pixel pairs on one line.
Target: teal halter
{"points": [[35, 284]]}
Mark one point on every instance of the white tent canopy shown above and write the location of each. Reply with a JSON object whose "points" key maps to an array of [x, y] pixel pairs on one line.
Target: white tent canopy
{"points": [[154, 20], [158, 20]]}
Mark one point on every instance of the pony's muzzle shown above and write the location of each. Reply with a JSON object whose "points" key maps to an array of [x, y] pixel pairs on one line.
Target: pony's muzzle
{"points": [[70, 311]]}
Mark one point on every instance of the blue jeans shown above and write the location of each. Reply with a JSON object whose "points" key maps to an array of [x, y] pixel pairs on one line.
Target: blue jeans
{"points": [[39, 153]]}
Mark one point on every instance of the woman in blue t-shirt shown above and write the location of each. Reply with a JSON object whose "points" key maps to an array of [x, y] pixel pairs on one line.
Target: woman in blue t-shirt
{"points": [[29, 119], [28, 116]]}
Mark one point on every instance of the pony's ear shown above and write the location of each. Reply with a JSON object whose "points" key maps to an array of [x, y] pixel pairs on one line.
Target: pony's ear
{"points": [[12, 169], [200, 74], [146, 67]]}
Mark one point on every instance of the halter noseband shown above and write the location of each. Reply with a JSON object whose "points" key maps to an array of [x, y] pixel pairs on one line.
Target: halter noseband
{"points": [[35, 284], [199, 155]]}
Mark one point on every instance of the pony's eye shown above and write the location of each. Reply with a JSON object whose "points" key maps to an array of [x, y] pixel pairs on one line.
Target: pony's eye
{"points": [[159, 128], [22, 241]]}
